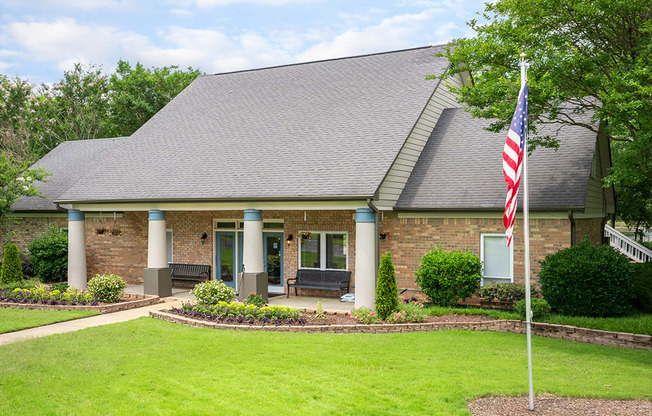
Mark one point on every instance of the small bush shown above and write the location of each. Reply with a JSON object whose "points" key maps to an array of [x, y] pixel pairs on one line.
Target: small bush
{"points": [[213, 292], [23, 284], [447, 276], [539, 308], [106, 288], [587, 280], [61, 286], [505, 292], [386, 290], [365, 316], [26, 263], [256, 300], [642, 284], [49, 254], [409, 312], [11, 271]]}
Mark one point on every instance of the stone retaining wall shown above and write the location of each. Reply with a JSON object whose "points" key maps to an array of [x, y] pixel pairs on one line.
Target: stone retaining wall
{"points": [[130, 301], [591, 336]]}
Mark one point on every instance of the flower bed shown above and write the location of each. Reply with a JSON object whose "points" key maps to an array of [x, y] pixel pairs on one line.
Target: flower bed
{"points": [[43, 297], [231, 312]]}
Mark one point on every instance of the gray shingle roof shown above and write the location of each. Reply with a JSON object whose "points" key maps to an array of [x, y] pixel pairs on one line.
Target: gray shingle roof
{"points": [[322, 129], [67, 163], [461, 168]]}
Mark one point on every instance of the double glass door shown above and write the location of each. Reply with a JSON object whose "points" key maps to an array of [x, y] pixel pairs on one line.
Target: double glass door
{"points": [[228, 258]]}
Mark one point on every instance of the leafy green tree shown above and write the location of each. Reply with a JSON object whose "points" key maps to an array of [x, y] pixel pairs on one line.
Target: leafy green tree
{"points": [[386, 290], [11, 271], [137, 93], [49, 254], [16, 181], [590, 60]]}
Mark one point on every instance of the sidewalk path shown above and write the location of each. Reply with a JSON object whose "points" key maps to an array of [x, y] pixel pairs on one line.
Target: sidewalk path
{"points": [[77, 324]]}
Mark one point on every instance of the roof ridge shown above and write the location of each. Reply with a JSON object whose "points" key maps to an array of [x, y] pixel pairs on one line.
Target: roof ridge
{"points": [[320, 61]]}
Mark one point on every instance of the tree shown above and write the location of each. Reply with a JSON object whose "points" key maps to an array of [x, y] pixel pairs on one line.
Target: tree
{"points": [[591, 66], [11, 271], [16, 181], [138, 93], [386, 290]]}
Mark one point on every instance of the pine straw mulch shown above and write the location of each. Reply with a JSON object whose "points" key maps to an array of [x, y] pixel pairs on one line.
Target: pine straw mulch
{"points": [[546, 405]]}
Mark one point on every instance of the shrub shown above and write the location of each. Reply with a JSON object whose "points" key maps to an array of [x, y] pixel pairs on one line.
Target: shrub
{"points": [[642, 285], [538, 306], [587, 280], [11, 271], [447, 276], [26, 263], [386, 290], [106, 288], [409, 312], [505, 292], [365, 316], [213, 292], [256, 300], [23, 284], [61, 286], [49, 254]]}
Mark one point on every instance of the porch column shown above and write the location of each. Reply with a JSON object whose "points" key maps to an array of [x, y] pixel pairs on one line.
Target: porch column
{"points": [[156, 237], [252, 255], [76, 249], [365, 261], [157, 279]]}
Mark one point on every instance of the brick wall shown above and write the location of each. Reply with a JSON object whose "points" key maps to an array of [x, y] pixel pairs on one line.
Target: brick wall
{"points": [[21, 231], [593, 228]]}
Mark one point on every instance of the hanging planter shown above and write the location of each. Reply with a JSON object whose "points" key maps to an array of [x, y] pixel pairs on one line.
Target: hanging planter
{"points": [[101, 230], [115, 231], [383, 235], [304, 235]]}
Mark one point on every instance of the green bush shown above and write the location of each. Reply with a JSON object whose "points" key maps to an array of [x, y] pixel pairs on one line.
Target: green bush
{"points": [[409, 312], [647, 244], [365, 315], [61, 286], [642, 283], [106, 288], [49, 254], [23, 284], [587, 280], [26, 263], [213, 292], [11, 270], [447, 276], [539, 308], [386, 290], [256, 300], [505, 292]]}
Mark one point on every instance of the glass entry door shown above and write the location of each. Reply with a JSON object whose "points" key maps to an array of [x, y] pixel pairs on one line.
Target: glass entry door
{"points": [[273, 258], [225, 257]]}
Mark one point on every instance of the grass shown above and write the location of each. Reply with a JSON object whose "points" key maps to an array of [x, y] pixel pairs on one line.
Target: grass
{"points": [[150, 367], [15, 319], [635, 324]]}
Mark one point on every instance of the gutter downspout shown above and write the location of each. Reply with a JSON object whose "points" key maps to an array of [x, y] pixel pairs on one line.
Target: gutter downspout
{"points": [[572, 230], [376, 227]]}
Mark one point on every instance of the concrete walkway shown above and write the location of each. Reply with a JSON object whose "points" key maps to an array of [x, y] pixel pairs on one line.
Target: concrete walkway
{"points": [[77, 324]]}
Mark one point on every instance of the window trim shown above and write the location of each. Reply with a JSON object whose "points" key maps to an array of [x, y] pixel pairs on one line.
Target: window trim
{"points": [[511, 257], [322, 249], [171, 243]]}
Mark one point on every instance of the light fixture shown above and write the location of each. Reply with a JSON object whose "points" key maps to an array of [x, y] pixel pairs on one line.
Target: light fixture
{"points": [[203, 238], [290, 238]]}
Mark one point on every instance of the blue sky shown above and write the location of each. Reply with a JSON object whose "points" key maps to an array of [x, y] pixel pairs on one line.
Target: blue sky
{"points": [[39, 39]]}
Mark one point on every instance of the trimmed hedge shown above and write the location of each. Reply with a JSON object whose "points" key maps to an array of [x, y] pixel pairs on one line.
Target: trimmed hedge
{"points": [[642, 282], [11, 270], [505, 292], [587, 280], [386, 289], [447, 276], [49, 254]]}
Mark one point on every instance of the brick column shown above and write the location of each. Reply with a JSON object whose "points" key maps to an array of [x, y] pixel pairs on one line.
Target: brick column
{"points": [[77, 277], [365, 258]]}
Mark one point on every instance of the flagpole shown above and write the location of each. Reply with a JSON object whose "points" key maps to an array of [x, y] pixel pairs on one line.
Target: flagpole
{"points": [[526, 237]]}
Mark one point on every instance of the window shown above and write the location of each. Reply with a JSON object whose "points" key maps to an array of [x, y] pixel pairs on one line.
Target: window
{"points": [[324, 250], [497, 259], [168, 246]]}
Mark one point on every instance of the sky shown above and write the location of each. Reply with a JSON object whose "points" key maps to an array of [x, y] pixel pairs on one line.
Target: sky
{"points": [[40, 39]]}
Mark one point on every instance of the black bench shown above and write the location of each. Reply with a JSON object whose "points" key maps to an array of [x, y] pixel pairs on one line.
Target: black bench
{"points": [[190, 272], [320, 279]]}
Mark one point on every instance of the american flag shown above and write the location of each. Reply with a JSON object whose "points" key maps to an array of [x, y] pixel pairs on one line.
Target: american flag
{"points": [[513, 160]]}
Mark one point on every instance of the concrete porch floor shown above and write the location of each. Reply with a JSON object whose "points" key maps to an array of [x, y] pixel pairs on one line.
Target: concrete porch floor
{"points": [[301, 302]]}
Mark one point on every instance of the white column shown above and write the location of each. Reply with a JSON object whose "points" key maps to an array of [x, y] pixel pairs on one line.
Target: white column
{"points": [[76, 249], [365, 262], [252, 255], [156, 240]]}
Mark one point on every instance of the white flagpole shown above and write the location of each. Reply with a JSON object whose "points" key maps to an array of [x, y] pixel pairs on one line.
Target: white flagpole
{"points": [[526, 237]]}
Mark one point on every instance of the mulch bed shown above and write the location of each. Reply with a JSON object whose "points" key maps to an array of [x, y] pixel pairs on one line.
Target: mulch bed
{"points": [[557, 406], [341, 319], [129, 301]]}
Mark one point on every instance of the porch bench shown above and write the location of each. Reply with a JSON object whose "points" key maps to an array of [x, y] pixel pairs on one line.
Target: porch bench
{"points": [[190, 272], [320, 279]]}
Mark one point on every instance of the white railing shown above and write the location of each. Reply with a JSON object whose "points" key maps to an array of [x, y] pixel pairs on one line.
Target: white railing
{"points": [[632, 249]]}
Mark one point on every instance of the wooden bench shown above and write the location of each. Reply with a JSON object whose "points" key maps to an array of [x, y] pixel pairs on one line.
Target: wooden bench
{"points": [[190, 272], [320, 279]]}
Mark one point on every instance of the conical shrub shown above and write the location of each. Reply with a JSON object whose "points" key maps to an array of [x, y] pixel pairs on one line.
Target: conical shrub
{"points": [[11, 269], [386, 290]]}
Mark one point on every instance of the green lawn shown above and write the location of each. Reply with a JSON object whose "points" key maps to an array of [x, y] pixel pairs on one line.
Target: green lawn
{"points": [[150, 367], [15, 319]]}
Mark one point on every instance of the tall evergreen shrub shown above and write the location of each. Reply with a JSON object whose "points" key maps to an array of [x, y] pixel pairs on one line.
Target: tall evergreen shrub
{"points": [[386, 290], [11, 270], [49, 254]]}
